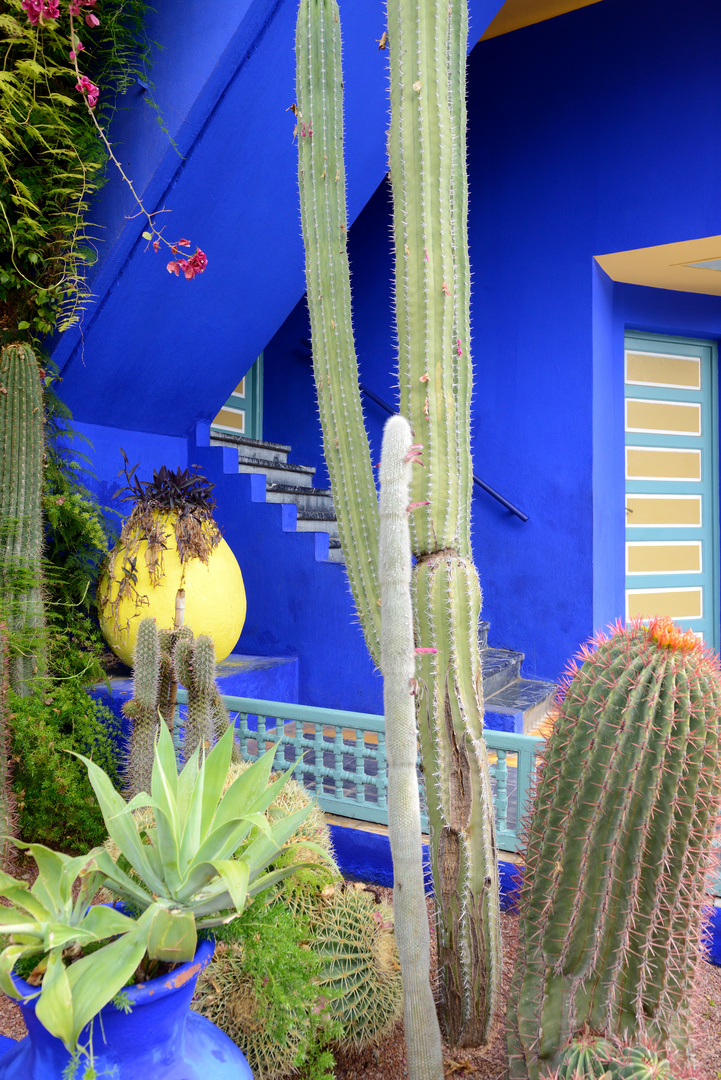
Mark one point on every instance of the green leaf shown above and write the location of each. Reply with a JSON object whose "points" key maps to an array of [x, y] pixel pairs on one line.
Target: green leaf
{"points": [[121, 827], [8, 958], [250, 790], [215, 773], [172, 936], [54, 1008], [23, 325], [147, 236], [264, 849], [234, 873]]}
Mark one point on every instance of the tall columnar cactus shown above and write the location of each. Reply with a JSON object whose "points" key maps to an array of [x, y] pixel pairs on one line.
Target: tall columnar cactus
{"points": [[427, 140], [21, 473], [423, 1036], [618, 847], [207, 716], [7, 798], [143, 710]]}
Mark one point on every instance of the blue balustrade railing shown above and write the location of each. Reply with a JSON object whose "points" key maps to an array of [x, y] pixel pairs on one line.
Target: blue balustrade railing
{"points": [[342, 759]]}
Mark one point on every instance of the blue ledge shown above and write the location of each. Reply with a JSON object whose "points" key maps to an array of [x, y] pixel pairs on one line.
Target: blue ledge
{"points": [[366, 856]]}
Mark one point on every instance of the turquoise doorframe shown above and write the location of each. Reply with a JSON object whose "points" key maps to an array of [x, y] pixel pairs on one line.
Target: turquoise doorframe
{"points": [[243, 411], [706, 399]]}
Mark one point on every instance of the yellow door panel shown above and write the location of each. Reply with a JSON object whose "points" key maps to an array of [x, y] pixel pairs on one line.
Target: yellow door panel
{"points": [[663, 510], [669, 417], [674, 603], [655, 463], [649, 370], [664, 558]]}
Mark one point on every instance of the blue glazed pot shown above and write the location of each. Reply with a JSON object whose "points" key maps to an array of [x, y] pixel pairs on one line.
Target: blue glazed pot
{"points": [[160, 1038]]}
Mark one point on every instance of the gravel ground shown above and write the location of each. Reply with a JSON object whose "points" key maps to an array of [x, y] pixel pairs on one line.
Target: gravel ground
{"points": [[387, 1061]]}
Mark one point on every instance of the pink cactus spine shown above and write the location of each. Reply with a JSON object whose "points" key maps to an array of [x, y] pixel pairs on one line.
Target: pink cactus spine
{"points": [[618, 847]]}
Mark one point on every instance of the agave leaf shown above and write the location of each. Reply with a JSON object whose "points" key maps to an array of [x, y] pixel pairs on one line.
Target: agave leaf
{"points": [[264, 849], [167, 849], [172, 935], [21, 897], [121, 883], [8, 958], [192, 817], [103, 922], [215, 774], [234, 874], [97, 978], [188, 783], [249, 790], [121, 827], [164, 779], [54, 1008]]}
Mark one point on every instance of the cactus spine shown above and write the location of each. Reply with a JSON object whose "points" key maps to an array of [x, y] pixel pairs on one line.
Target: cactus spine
{"points": [[618, 847], [21, 472], [207, 716], [427, 139], [423, 1036]]}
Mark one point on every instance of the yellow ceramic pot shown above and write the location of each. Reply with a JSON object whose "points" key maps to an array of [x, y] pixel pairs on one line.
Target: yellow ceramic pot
{"points": [[130, 591]]}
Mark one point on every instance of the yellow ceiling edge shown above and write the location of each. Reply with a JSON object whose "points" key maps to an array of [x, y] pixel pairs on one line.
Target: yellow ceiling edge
{"points": [[517, 13], [664, 266]]}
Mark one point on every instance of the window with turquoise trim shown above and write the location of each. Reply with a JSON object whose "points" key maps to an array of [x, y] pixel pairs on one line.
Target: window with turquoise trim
{"points": [[671, 456]]}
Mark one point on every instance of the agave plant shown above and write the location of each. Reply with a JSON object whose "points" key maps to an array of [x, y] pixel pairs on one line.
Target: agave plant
{"points": [[179, 874]]}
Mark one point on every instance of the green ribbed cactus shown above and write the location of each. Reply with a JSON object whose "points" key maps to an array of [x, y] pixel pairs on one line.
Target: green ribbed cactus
{"points": [[8, 850], [592, 1058], [618, 849], [422, 1034], [207, 718], [21, 475], [427, 145], [360, 973], [143, 710]]}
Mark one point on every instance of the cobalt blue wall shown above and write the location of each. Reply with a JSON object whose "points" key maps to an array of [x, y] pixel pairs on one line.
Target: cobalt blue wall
{"points": [[594, 132]]}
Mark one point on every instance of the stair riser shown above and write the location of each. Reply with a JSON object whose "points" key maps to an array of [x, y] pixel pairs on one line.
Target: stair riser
{"points": [[498, 679], [279, 476], [303, 502], [311, 525], [259, 453]]}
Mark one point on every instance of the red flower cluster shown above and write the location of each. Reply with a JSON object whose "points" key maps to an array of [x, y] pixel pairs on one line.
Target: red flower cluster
{"points": [[41, 9], [85, 86], [196, 264], [91, 19], [670, 636]]}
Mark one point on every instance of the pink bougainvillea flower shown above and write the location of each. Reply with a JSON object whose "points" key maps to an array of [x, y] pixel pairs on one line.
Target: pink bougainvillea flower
{"points": [[41, 9], [199, 261], [183, 243], [196, 264], [172, 267], [92, 20], [78, 48], [85, 86]]}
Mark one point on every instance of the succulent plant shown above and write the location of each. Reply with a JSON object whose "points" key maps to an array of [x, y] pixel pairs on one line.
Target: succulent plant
{"points": [[590, 1057], [618, 848], [21, 535], [143, 709], [207, 719], [427, 42], [360, 974]]}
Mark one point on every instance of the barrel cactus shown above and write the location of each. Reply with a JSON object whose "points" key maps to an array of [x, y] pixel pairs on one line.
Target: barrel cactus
{"points": [[590, 1057], [21, 531], [618, 848], [360, 971]]}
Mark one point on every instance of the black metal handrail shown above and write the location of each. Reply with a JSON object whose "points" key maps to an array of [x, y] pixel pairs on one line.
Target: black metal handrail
{"points": [[476, 479]]}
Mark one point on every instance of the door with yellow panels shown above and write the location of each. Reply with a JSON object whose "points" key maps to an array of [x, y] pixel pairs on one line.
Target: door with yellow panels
{"points": [[671, 419]]}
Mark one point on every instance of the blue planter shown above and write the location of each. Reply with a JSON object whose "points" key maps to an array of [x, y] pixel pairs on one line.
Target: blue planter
{"points": [[159, 1039]]}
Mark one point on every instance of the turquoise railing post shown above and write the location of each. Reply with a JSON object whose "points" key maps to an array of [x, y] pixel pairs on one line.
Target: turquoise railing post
{"points": [[361, 793]]}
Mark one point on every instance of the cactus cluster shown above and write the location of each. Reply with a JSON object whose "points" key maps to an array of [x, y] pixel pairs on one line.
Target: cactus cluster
{"points": [[427, 42], [21, 473], [618, 848], [160, 657], [590, 1057]]}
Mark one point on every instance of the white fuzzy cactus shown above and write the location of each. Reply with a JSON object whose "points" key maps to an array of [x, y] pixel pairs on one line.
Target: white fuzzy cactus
{"points": [[423, 1036]]}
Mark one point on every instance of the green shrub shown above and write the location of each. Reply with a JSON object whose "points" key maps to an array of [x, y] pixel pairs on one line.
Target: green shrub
{"points": [[56, 804]]}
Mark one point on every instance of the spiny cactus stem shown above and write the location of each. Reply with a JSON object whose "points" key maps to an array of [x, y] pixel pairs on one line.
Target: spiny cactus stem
{"points": [[422, 1033]]}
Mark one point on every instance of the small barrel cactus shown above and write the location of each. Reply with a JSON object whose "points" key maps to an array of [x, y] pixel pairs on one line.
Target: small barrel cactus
{"points": [[618, 848], [361, 974], [592, 1058]]}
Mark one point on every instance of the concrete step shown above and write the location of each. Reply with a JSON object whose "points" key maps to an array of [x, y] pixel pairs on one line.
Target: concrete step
{"points": [[252, 449], [335, 551], [280, 473], [520, 705], [305, 498], [499, 667], [317, 521]]}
